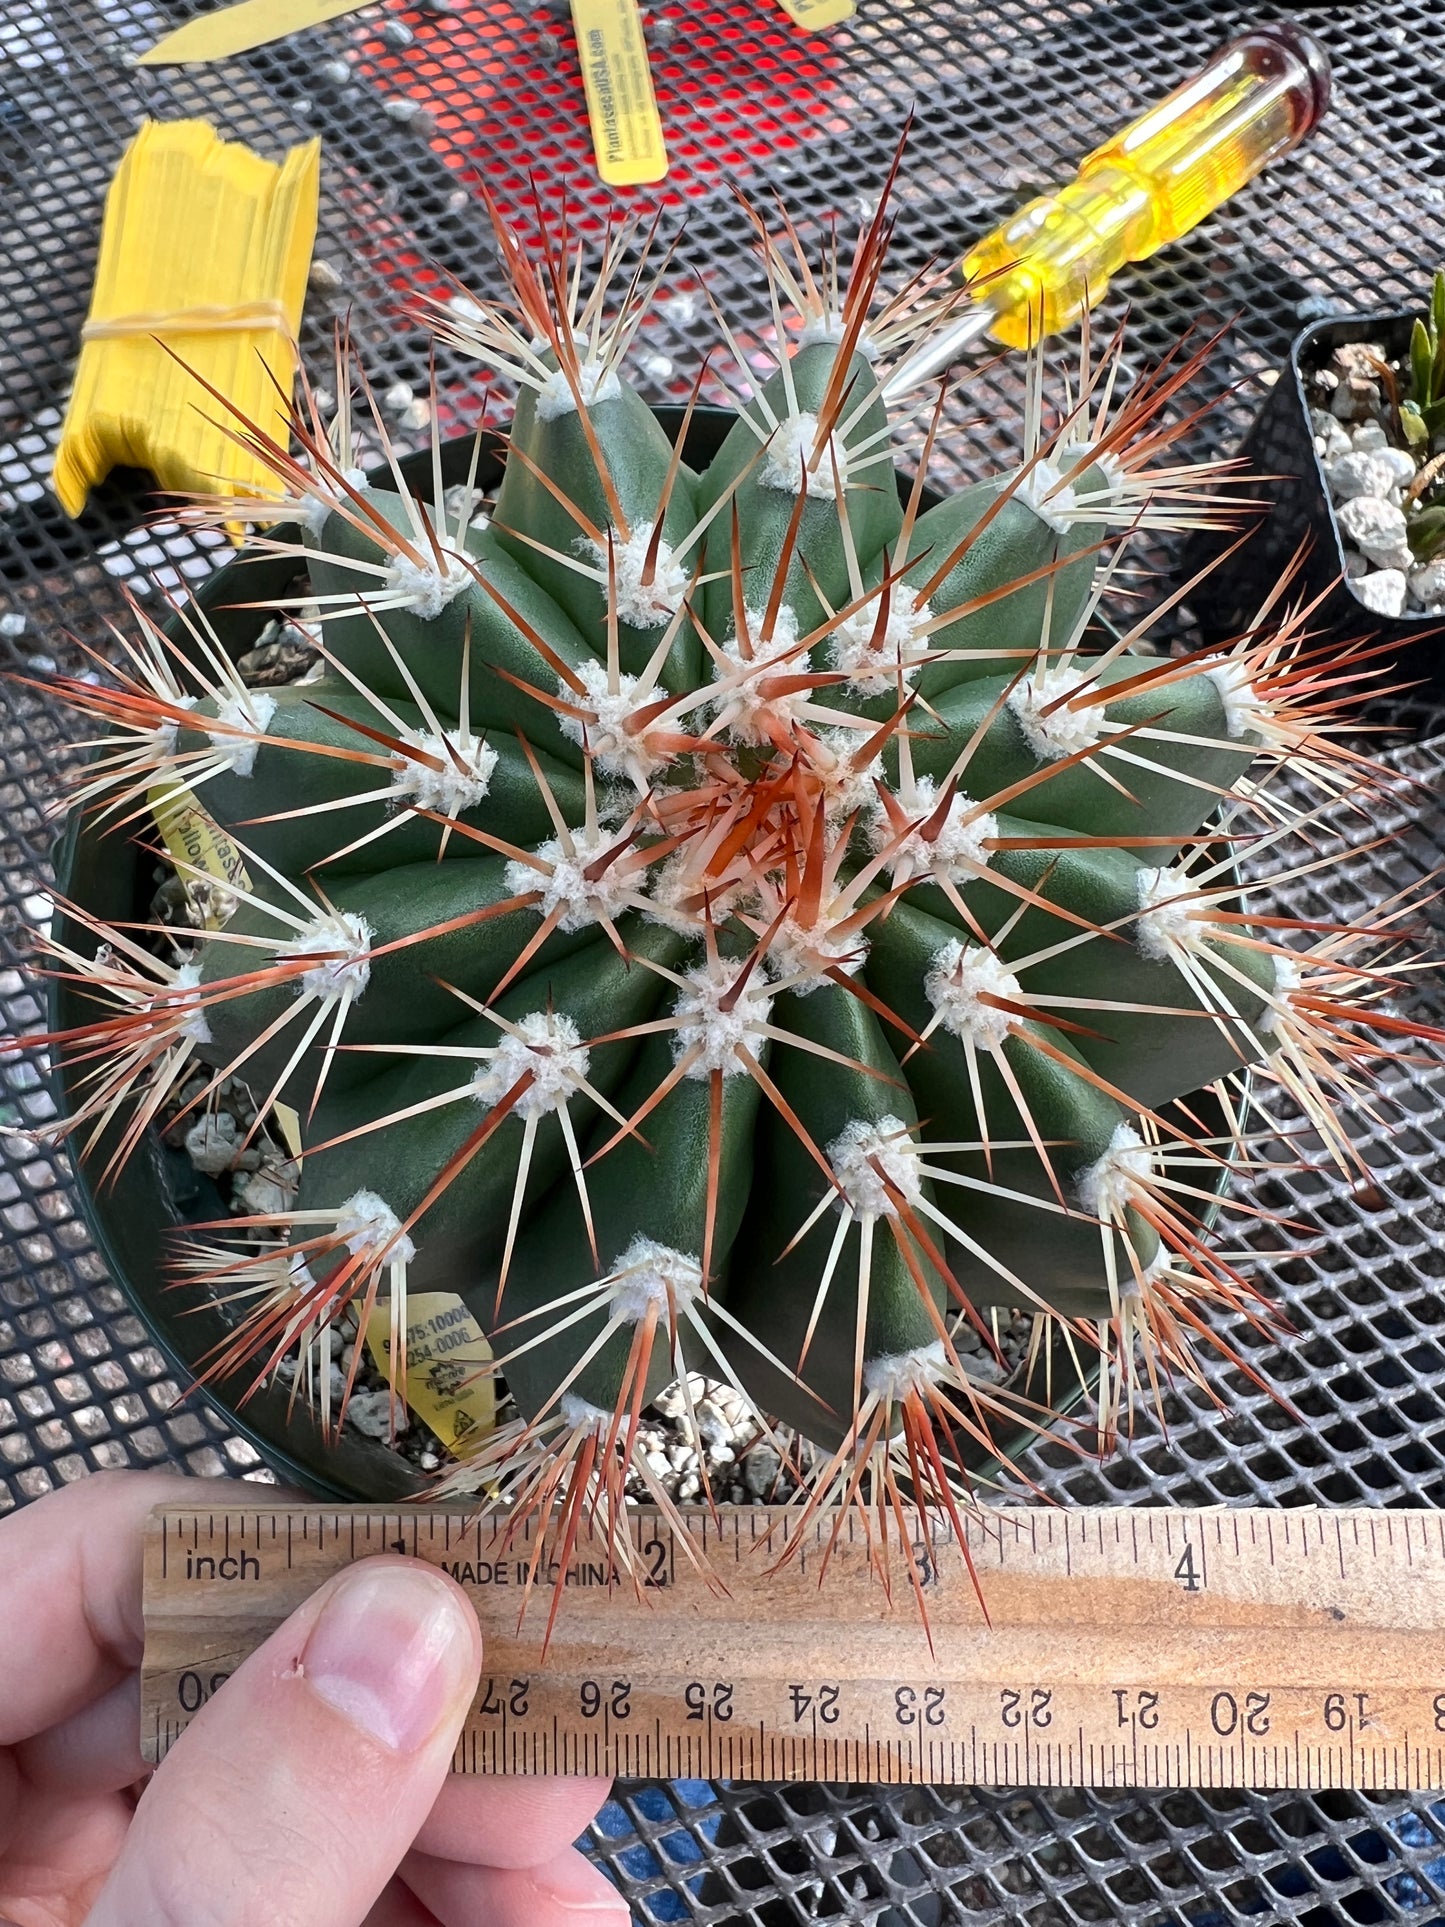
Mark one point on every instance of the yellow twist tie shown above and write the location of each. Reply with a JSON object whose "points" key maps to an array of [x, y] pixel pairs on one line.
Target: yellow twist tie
{"points": [[242, 317]]}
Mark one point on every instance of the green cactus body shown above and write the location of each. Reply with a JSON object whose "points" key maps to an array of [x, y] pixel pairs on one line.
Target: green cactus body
{"points": [[355, 793], [1173, 754], [758, 1022], [459, 1240], [989, 1078], [1014, 539], [405, 940], [548, 540], [850, 1111], [651, 1223], [761, 468], [1124, 985], [490, 620]]}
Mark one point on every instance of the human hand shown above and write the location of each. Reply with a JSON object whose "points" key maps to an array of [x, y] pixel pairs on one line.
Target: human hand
{"points": [[311, 1791]]}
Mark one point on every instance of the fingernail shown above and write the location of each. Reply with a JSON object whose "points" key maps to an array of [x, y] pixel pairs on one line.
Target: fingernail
{"points": [[391, 1651], [571, 1884]]}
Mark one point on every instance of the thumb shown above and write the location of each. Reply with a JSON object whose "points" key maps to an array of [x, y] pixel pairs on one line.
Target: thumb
{"points": [[296, 1791]]}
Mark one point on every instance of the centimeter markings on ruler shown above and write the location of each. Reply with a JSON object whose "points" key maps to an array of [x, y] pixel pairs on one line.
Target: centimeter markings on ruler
{"points": [[1122, 1647]]}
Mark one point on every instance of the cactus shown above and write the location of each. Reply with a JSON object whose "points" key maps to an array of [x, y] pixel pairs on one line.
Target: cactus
{"points": [[744, 921]]}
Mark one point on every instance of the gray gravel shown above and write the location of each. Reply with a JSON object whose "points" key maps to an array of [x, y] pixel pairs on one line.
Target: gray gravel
{"points": [[1370, 480]]}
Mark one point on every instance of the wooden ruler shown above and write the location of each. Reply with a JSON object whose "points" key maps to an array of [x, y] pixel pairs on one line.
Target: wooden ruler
{"points": [[1123, 1647]]}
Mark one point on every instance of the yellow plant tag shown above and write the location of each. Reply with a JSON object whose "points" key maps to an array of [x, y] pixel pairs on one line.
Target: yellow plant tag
{"points": [[236, 29], [288, 1123], [621, 106], [813, 15], [197, 843], [448, 1378]]}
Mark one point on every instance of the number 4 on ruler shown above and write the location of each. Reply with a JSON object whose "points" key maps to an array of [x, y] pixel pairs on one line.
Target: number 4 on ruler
{"points": [[1187, 1573]]}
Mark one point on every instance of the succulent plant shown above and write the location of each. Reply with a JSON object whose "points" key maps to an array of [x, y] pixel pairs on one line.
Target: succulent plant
{"points": [[1422, 410], [751, 921], [1422, 424]]}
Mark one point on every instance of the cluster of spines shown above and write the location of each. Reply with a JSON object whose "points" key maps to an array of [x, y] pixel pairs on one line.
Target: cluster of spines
{"points": [[751, 742]]}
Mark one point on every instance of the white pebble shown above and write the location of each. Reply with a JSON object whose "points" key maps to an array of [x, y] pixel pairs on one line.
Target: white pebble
{"points": [[262, 1193], [396, 33], [1368, 436], [1358, 474], [1377, 530], [1331, 438], [1427, 584], [1400, 463], [12, 625], [379, 1415], [211, 1143], [760, 1470], [712, 1427], [324, 278], [1384, 591], [398, 397], [415, 416]]}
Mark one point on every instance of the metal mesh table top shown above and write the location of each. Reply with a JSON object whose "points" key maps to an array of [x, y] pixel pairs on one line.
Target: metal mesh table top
{"points": [[1005, 98]]}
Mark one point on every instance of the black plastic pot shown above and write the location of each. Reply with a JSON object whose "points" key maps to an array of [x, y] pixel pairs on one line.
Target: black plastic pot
{"points": [[1287, 478], [106, 872]]}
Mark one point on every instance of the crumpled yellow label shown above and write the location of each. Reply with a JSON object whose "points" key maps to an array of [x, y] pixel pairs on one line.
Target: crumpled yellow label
{"points": [[449, 1382], [621, 106], [201, 848], [197, 843]]}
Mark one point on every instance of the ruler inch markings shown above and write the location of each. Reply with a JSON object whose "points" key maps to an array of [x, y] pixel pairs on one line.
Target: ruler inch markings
{"points": [[1206, 1646]]}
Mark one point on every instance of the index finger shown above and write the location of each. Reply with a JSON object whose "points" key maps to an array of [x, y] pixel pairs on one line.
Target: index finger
{"points": [[70, 1595]]}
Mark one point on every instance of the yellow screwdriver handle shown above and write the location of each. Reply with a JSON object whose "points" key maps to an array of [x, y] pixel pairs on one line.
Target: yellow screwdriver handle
{"points": [[1259, 96]]}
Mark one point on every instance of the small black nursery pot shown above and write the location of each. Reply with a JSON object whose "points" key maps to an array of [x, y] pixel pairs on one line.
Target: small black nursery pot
{"points": [[1286, 476]]}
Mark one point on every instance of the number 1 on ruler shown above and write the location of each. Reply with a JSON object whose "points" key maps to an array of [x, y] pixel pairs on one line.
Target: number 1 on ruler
{"points": [[621, 106]]}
